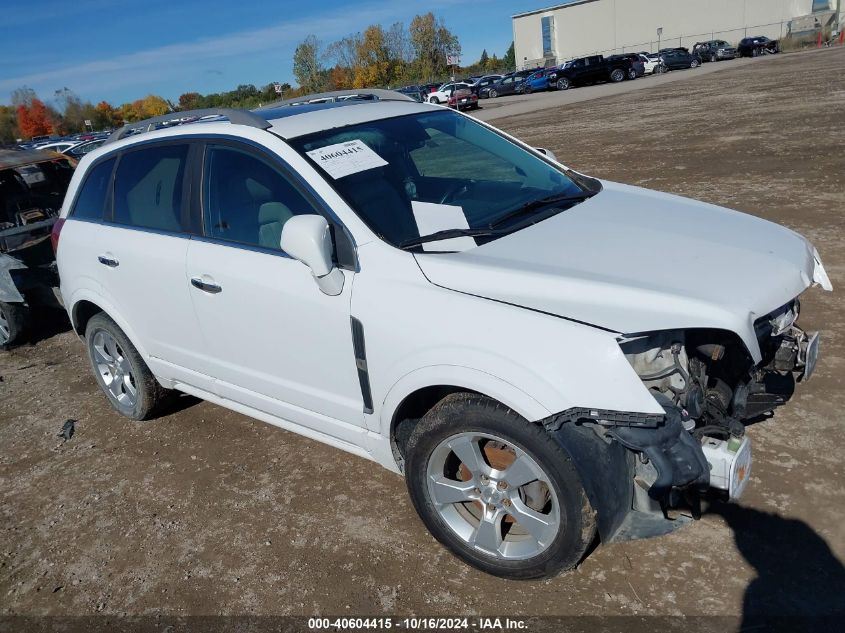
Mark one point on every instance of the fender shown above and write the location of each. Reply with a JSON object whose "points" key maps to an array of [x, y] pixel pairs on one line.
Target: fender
{"points": [[457, 376], [85, 294]]}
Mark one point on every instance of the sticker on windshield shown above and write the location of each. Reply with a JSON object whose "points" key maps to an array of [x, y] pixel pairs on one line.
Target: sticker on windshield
{"points": [[349, 157], [431, 217]]}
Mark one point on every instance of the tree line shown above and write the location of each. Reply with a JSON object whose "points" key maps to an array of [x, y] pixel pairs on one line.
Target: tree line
{"points": [[377, 57]]}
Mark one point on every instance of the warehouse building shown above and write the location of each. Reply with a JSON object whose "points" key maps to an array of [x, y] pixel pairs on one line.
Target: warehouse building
{"points": [[589, 27]]}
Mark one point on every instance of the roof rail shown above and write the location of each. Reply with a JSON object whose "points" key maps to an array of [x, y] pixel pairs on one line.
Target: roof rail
{"points": [[378, 94], [235, 116]]}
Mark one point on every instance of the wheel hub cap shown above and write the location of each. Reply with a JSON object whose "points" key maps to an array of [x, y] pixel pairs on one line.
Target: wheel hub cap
{"points": [[493, 495], [114, 369]]}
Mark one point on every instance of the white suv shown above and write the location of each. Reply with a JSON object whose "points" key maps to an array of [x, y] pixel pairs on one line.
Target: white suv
{"points": [[545, 356]]}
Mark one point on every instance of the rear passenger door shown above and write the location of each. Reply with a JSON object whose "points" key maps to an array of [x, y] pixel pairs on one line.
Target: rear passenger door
{"points": [[141, 251], [276, 342]]}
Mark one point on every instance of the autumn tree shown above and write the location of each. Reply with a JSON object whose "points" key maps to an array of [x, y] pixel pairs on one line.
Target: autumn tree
{"points": [[104, 116], [33, 119], [189, 101], [375, 65], [306, 64], [431, 42]]}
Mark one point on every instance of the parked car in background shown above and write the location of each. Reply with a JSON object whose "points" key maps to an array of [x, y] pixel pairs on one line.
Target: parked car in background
{"points": [[415, 92], [32, 187], [444, 92], [507, 85], [714, 50], [590, 70], [756, 46], [78, 151], [650, 62], [463, 99], [676, 59], [57, 146], [637, 64], [536, 82], [484, 82], [429, 88]]}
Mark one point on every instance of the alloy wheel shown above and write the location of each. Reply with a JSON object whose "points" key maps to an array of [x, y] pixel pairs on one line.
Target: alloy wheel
{"points": [[493, 495], [114, 369]]}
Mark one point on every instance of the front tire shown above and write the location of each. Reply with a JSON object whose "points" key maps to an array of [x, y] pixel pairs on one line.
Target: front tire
{"points": [[617, 75], [496, 490], [564, 84], [694, 63], [434, 100], [120, 371], [13, 318], [493, 94]]}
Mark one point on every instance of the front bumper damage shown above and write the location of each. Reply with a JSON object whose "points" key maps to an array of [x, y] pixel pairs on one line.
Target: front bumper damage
{"points": [[638, 470]]}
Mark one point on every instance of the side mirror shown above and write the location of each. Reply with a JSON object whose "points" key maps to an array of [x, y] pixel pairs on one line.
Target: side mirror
{"points": [[547, 152], [307, 238]]}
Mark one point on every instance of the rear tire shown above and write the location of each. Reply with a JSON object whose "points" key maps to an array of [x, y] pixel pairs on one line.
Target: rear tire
{"points": [[493, 94], [496, 490], [694, 63], [13, 319], [712, 58], [121, 373], [564, 84], [617, 75]]}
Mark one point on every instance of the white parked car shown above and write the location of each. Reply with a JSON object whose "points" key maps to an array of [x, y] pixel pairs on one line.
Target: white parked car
{"points": [[59, 146], [650, 62], [543, 355], [445, 92]]}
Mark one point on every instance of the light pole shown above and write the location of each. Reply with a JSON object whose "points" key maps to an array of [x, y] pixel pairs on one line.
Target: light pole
{"points": [[659, 34]]}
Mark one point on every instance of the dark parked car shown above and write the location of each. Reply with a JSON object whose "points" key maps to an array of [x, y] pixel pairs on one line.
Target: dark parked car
{"points": [[484, 82], [590, 70], [714, 50], [636, 63], [677, 59], [507, 85], [756, 46], [416, 93], [78, 151]]}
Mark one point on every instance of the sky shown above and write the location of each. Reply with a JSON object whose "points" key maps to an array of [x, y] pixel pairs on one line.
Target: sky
{"points": [[109, 49]]}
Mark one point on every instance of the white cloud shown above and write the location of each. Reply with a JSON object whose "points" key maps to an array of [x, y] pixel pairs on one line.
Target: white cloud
{"points": [[151, 67]]}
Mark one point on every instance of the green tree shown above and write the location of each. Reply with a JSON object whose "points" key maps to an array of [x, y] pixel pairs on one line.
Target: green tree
{"points": [[509, 60], [306, 64], [9, 132], [431, 42], [482, 61]]}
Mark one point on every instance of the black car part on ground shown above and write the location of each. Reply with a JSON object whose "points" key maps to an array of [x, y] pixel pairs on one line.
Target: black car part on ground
{"points": [[756, 46]]}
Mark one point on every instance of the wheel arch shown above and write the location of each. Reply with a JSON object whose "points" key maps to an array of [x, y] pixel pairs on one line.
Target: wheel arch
{"points": [[417, 392], [84, 305]]}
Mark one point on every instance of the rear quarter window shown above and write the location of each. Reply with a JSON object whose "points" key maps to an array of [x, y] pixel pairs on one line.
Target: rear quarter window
{"points": [[91, 201], [148, 188]]}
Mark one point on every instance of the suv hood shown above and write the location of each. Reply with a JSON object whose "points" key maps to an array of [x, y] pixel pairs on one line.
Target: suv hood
{"points": [[632, 260]]}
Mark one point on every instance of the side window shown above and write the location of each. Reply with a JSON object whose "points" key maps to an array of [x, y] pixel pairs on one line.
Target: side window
{"points": [[246, 199], [148, 187], [91, 200]]}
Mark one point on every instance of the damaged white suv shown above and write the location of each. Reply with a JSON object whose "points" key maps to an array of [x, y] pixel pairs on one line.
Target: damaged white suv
{"points": [[418, 288]]}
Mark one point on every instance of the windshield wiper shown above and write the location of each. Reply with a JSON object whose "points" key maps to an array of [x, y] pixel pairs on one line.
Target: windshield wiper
{"points": [[538, 204], [446, 234]]}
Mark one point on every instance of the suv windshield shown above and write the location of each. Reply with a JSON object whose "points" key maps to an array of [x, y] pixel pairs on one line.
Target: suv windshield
{"points": [[420, 174]]}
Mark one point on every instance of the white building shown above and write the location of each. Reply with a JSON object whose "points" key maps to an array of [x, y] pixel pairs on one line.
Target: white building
{"points": [[591, 27]]}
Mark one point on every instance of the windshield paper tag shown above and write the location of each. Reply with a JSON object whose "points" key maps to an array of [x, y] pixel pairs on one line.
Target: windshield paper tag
{"points": [[349, 157], [431, 217]]}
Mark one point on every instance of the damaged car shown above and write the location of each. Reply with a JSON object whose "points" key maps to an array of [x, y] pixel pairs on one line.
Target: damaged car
{"points": [[32, 187], [543, 355]]}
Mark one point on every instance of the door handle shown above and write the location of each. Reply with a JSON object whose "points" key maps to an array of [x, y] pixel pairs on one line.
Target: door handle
{"points": [[196, 282], [108, 261]]}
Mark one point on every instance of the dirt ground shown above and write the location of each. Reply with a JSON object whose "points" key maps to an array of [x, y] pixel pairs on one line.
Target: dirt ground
{"points": [[205, 511]]}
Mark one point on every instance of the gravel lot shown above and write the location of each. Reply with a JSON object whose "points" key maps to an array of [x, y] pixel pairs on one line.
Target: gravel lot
{"points": [[205, 511]]}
